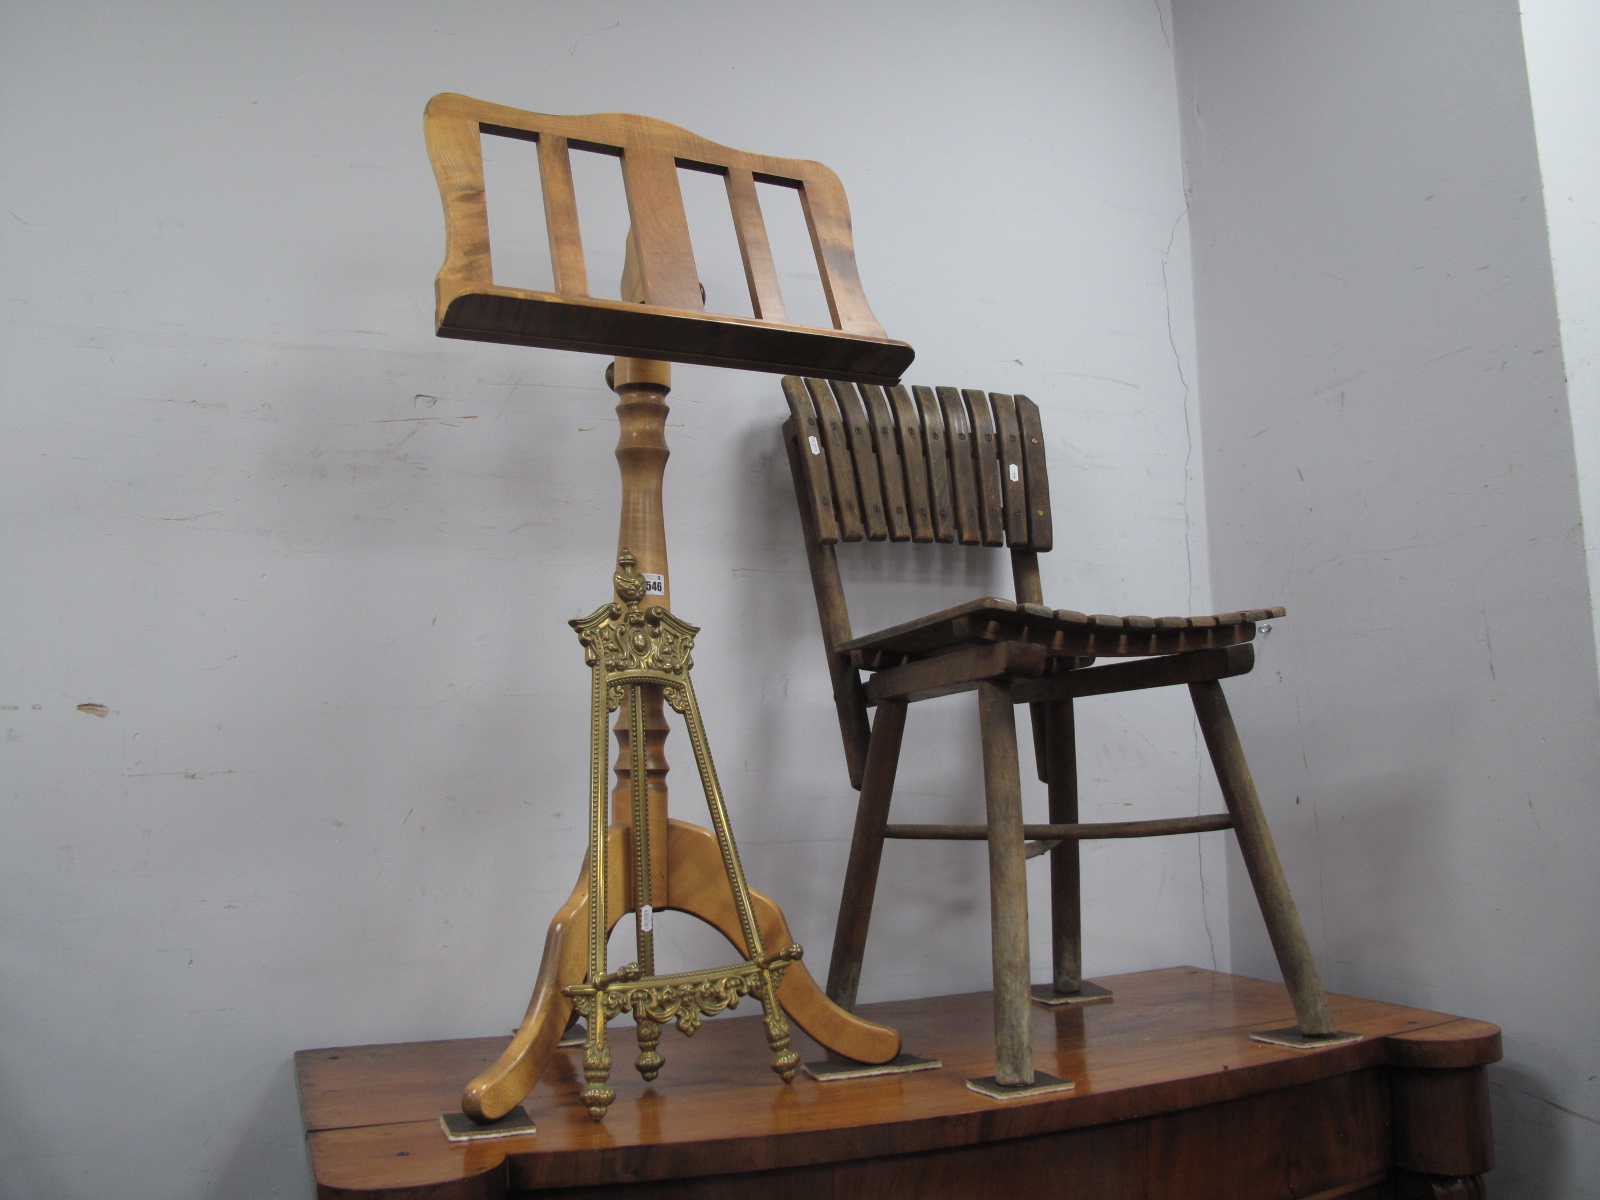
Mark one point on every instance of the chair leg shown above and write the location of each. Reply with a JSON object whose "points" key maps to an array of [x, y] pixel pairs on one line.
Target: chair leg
{"points": [[1261, 860], [1039, 716], [1066, 923], [1008, 887], [866, 852]]}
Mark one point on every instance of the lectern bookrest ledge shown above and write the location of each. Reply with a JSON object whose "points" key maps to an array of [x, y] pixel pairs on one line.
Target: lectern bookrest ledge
{"points": [[661, 321]]}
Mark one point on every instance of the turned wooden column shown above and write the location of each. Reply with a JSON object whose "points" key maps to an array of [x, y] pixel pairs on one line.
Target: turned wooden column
{"points": [[641, 385]]}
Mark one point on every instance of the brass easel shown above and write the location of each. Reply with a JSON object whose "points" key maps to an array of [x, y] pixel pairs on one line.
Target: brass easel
{"points": [[632, 650], [674, 864]]}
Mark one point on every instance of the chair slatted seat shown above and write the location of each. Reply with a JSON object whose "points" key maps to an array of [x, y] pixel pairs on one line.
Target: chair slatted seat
{"points": [[1064, 633]]}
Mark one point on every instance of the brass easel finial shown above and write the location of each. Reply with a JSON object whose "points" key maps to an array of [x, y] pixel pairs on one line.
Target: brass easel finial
{"points": [[630, 585]]}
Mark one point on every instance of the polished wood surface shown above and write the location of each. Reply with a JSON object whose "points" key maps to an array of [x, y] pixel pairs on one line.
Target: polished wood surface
{"points": [[1173, 1099], [668, 320]]}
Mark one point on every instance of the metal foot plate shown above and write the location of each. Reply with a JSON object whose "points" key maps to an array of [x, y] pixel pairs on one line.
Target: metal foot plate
{"points": [[1295, 1040], [1087, 993], [828, 1071], [1042, 1085], [459, 1127]]}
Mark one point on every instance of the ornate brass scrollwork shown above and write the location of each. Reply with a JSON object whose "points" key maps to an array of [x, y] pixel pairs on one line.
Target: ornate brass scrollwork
{"points": [[628, 649]]}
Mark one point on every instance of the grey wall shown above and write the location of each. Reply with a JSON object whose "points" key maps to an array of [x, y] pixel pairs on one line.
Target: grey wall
{"points": [[1389, 452], [1562, 39], [316, 565]]}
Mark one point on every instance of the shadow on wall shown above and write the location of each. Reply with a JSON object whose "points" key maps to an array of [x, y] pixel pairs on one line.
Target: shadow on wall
{"points": [[264, 1163], [1521, 1118]]}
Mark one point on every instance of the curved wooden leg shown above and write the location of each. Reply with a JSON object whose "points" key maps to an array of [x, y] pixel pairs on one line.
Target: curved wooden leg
{"points": [[700, 887], [507, 1083]]}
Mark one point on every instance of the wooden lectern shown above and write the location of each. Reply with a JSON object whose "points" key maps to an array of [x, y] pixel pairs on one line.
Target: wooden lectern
{"points": [[662, 320]]}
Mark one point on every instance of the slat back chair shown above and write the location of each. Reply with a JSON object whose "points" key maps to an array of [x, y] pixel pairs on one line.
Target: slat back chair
{"points": [[968, 467], [663, 317]]}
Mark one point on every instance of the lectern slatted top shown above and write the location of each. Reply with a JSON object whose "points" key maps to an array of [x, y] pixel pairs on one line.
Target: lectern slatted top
{"points": [[669, 321]]}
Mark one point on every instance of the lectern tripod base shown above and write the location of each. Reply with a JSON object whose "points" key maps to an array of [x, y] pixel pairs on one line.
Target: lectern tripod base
{"points": [[700, 889]]}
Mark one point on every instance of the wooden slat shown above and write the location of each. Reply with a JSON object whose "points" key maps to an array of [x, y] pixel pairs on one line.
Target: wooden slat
{"points": [[1012, 468], [836, 448], [940, 491], [1068, 831], [1166, 671], [455, 146], [914, 457], [828, 218], [890, 468], [755, 251], [985, 608], [963, 468], [865, 460], [810, 461], [986, 450], [833, 614], [561, 216], [959, 671], [655, 207], [1040, 529]]}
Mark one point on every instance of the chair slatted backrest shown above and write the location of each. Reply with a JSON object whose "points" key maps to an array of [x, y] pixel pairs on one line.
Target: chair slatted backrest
{"points": [[920, 465], [663, 316]]}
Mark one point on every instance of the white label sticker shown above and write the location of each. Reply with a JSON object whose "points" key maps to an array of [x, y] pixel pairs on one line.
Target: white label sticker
{"points": [[647, 918], [816, 446], [1015, 474], [654, 585]]}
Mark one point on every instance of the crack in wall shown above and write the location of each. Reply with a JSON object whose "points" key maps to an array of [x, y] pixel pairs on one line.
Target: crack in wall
{"points": [[1188, 535]]}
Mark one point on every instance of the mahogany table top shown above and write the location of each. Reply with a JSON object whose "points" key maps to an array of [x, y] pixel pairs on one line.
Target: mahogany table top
{"points": [[1172, 1039]]}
